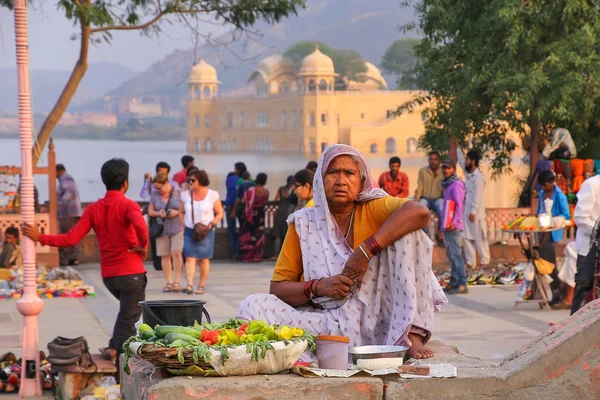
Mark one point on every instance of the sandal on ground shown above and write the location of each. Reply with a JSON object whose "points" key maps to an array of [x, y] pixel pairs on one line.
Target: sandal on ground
{"points": [[200, 290], [106, 353], [176, 287], [189, 289], [168, 288]]}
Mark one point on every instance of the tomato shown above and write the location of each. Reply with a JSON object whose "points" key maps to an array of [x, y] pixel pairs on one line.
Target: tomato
{"points": [[240, 333], [243, 327], [207, 342]]}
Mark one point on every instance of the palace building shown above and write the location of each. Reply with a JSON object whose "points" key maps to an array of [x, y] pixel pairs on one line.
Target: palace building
{"points": [[287, 110]]}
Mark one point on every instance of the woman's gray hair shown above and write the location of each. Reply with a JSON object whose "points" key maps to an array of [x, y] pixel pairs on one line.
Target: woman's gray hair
{"points": [[362, 169]]}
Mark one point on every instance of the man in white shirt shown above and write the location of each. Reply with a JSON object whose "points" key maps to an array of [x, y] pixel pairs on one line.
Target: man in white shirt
{"points": [[587, 213]]}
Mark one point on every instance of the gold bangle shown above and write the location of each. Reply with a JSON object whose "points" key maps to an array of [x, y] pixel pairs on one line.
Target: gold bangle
{"points": [[364, 252]]}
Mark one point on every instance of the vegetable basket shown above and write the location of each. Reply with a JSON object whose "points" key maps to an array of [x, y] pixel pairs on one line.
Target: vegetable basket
{"points": [[219, 351]]}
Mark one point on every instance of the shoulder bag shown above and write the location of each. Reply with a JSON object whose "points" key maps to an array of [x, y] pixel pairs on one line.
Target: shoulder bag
{"points": [[200, 230], [158, 226], [69, 355]]}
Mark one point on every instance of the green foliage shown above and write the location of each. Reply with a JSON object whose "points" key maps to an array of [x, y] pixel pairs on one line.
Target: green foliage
{"points": [[103, 16], [502, 66], [348, 63], [400, 60]]}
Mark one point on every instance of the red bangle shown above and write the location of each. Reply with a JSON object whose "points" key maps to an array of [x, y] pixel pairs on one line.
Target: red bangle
{"points": [[307, 289], [373, 246], [313, 290]]}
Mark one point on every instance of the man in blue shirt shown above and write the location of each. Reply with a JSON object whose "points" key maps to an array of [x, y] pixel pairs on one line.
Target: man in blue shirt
{"points": [[232, 184], [560, 208]]}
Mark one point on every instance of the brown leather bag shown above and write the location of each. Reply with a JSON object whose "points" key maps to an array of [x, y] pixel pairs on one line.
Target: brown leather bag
{"points": [[200, 230]]}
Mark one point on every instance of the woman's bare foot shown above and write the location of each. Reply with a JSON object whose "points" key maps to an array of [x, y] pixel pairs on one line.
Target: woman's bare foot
{"points": [[418, 350]]}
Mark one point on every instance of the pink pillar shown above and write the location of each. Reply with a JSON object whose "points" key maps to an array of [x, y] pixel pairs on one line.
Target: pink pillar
{"points": [[30, 305]]}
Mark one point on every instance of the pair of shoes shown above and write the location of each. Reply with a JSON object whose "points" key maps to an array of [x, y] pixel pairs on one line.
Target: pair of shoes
{"points": [[200, 290], [189, 289], [73, 262], [459, 290]]}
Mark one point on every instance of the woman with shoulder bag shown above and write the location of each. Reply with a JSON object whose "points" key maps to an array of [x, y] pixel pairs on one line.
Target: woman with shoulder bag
{"points": [[167, 228], [202, 210]]}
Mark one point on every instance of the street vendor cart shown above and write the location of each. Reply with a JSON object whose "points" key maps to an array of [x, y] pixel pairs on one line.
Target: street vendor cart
{"points": [[540, 287]]}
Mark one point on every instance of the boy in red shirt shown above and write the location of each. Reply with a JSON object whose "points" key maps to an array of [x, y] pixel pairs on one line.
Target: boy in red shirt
{"points": [[122, 236]]}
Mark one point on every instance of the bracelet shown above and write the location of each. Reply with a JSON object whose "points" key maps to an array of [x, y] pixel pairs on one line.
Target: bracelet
{"points": [[373, 247], [364, 252], [314, 291], [307, 289]]}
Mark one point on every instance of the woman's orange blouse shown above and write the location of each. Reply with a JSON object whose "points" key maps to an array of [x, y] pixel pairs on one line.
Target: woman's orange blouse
{"points": [[368, 218]]}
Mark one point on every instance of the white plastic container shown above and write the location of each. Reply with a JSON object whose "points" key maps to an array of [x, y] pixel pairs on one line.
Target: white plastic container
{"points": [[332, 352]]}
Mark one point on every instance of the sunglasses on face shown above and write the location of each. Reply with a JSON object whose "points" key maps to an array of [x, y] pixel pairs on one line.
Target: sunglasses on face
{"points": [[191, 180], [446, 167], [297, 185]]}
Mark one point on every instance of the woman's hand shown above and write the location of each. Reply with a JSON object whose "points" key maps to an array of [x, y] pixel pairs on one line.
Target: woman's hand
{"points": [[336, 287], [172, 213], [356, 266]]}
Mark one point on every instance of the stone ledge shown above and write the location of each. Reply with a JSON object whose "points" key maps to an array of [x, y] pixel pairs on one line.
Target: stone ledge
{"points": [[147, 382], [562, 363]]}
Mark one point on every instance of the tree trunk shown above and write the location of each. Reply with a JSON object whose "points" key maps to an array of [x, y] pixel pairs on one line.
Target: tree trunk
{"points": [[453, 148], [67, 94], [534, 155]]}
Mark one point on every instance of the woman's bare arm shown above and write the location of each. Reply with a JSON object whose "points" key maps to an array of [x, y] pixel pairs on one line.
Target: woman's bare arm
{"points": [[291, 293], [218, 208], [411, 217]]}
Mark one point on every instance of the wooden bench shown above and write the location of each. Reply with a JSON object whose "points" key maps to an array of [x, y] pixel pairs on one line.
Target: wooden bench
{"points": [[70, 384]]}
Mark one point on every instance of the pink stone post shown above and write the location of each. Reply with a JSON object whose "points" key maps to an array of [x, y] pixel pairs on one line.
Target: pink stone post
{"points": [[30, 305]]}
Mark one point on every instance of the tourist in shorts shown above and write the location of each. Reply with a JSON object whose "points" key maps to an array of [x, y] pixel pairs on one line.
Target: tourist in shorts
{"points": [[164, 205]]}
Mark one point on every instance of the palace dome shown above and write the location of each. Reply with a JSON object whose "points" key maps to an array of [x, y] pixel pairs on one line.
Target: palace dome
{"points": [[203, 73], [317, 64], [374, 74]]}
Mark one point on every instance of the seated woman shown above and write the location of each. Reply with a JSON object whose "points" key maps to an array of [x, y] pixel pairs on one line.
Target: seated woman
{"points": [[356, 264]]}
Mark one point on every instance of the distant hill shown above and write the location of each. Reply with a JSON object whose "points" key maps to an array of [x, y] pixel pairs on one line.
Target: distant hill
{"points": [[367, 26], [46, 85]]}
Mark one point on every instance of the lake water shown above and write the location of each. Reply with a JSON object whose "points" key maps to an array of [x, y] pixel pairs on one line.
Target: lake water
{"points": [[83, 159]]}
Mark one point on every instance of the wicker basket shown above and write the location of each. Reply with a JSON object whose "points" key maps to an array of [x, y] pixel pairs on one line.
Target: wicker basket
{"points": [[282, 356], [167, 358]]}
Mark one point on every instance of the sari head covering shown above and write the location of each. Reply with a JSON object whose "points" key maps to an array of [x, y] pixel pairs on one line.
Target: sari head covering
{"points": [[399, 288]]}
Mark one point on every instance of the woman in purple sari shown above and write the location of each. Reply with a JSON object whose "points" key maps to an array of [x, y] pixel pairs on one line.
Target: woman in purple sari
{"points": [[252, 238]]}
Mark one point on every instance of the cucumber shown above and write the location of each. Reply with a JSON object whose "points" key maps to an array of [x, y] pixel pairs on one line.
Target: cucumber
{"points": [[146, 334], [161, 331], [173, 336], [152, 339]]}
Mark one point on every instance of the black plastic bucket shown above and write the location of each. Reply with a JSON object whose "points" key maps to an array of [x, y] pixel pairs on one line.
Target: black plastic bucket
{"points": [[173, 312]]}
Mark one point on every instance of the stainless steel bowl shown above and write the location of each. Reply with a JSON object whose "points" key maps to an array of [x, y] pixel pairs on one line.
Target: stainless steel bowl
{"points": [[371, 352]]}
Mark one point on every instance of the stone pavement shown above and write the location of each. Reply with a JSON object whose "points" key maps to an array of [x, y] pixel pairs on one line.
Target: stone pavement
{"points": [[481, 324]]}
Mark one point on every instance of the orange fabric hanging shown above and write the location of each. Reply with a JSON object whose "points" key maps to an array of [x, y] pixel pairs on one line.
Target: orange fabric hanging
{"points": [[577, 165]]}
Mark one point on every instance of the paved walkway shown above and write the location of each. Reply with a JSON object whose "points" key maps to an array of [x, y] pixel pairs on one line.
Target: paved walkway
{"points": [[481, 324]]}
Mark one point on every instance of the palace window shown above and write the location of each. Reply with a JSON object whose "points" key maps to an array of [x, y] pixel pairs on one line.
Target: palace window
{"points": [[324, 119], [283, 118], [241, 120], [229, 120], [294, 118], [197, 121], [207, 121], [262, 119]]}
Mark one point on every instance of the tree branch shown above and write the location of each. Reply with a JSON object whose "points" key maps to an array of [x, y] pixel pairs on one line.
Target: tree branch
{"points": [[130, 27]]}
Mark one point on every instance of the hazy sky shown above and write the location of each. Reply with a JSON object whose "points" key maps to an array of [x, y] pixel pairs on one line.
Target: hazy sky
{"points": [[50, 46]]}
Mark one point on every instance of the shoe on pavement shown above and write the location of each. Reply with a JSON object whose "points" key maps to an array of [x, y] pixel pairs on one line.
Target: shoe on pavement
{"points": [[459, 290]]}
